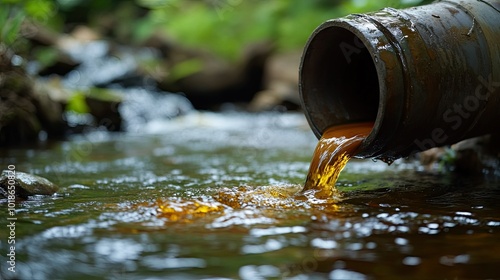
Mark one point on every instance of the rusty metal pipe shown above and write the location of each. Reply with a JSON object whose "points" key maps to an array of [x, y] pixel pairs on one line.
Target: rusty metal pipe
{"points": [[426, 76]]}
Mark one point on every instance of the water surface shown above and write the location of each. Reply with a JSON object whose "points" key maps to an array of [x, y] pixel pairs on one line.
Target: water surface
{"points": [[210, 196]]}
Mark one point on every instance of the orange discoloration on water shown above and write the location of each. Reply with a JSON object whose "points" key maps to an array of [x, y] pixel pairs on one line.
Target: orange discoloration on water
{"points": [[187, 210], [337, 145]]}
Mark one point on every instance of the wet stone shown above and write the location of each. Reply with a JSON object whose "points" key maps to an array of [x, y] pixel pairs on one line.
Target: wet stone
{"points": [[25, 184]]}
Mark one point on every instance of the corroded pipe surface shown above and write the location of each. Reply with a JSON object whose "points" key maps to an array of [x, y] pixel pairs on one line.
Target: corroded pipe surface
{"points": [[427, 76]]}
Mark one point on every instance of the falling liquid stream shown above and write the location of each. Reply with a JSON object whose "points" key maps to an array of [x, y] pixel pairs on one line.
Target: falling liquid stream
{"points": [[337, 145]]}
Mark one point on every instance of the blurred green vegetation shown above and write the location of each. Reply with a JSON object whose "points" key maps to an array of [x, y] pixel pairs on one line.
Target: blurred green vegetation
{"points": [[14, 12], [224, 26], [221, 26]]}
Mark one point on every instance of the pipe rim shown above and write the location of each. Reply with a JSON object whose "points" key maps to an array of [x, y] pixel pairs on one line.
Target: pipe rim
{"points": [[383, 119]]}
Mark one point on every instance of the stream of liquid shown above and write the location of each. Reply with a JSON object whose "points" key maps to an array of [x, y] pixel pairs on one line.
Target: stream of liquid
{"points": [[337, 145]]}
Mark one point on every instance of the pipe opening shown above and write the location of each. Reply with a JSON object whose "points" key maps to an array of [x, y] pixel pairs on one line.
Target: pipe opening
{"points": [[339, 81]]}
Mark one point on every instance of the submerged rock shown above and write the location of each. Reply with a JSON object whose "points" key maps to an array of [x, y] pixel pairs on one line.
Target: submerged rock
{"points": [[25, 184]]}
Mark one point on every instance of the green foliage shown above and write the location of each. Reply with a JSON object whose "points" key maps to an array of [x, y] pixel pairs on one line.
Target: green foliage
{"points": [[225, 26], [46, 56], [69, 4], [361, 6], [39, 10], [77, 103], [10, 24], [222, 26], [185, 68], [14, 12], [103, 94]]}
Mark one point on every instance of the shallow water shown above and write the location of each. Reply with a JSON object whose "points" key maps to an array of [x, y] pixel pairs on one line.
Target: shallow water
{"points": [[211, 196]]}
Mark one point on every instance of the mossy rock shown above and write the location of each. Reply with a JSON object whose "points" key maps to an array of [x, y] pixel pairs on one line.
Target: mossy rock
{"points": [[26, 184]]}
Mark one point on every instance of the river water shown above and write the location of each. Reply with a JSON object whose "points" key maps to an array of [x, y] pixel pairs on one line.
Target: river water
{"points": [[210, 196]]}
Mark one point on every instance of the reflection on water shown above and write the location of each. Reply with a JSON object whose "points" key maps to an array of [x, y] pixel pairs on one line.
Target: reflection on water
{"points": [[208, 196]]}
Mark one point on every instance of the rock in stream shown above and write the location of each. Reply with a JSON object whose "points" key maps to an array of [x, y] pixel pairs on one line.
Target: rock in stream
{"points": [[25, 184]]}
